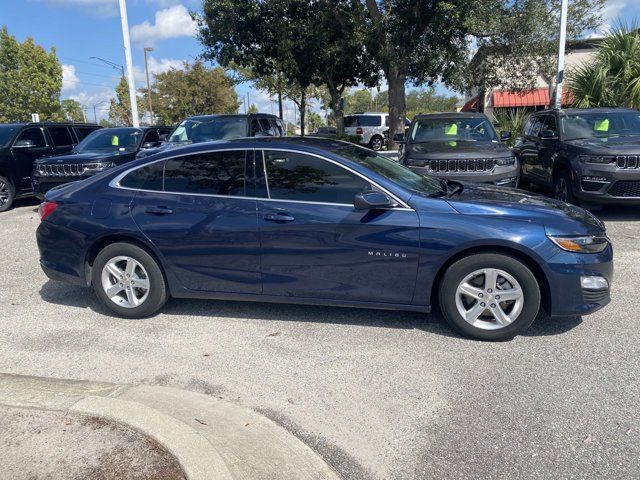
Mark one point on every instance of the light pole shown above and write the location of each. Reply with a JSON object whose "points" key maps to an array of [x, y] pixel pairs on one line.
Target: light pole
{"points": [[95, 113], [563, 37], [129, 60], [146, 68]]}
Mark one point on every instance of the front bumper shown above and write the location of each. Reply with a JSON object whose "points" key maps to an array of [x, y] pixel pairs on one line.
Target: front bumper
{"points": [[42, 184], [506, 176], [565, 271], [606, 184]]}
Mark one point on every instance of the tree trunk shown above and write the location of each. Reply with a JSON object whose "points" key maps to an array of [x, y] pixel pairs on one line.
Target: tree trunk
{"points": [[396, 79], [280, 114], [336, 106], [303, 110]]}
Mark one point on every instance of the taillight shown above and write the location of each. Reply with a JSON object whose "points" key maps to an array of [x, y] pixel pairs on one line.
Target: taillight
{"points": [[359, 131], [45, 209]]}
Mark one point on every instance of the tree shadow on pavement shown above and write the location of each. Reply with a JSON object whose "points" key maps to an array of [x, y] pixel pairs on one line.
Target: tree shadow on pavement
{"points": [[74, 296]]}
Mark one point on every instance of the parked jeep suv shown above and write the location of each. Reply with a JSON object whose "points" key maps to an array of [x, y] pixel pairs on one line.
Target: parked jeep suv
{"points": [[204, 128], [101, 150], [589, 156], [22, 143], [458, 146]]}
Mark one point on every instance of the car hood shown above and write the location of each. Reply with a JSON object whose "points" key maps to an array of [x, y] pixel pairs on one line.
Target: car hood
{"points": [[457, 149], [84, 157], [608, 146], [557, 217]]}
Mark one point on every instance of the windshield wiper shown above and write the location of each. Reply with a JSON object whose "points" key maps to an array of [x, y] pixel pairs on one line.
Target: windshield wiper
{"points": [[456, 188]]}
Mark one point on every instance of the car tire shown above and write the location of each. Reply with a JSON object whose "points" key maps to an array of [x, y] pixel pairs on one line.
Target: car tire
{"points": [[562, 187], [376, 143], [471, 301], [7, 194], [129, 281]]}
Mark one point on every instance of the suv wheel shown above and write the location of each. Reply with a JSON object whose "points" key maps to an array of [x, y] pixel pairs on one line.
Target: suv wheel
{"points": [[562, 187], [376, 143], [7, 194], [129, 281], [489, 296]]}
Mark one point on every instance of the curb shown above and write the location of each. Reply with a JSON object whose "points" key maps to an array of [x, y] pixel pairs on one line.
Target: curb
{"points": [[210, 438]]}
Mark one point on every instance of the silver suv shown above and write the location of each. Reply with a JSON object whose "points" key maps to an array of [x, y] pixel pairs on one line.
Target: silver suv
{"points": [[371, 127]]}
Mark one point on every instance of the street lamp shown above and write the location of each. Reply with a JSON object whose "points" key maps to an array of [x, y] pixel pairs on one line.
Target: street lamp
{"points": [[146, 67], [95, 114]]}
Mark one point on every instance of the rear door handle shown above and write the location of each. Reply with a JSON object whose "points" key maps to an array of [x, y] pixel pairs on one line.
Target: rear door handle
{"points": [[159, 211], [279, 217]]}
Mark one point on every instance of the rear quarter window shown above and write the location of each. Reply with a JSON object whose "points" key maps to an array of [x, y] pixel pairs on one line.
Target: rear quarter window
{"points": [[149, 177]]}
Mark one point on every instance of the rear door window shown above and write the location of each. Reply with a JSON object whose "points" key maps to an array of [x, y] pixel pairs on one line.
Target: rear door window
{"points": [[212, 173], [370, 120], [61, 136]]}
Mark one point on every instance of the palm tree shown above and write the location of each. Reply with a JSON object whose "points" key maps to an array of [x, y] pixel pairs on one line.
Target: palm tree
{"points": [[613, 76]]}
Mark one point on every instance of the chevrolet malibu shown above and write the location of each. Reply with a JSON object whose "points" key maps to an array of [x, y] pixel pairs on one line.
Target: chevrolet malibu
{"points": [[317, 221]]}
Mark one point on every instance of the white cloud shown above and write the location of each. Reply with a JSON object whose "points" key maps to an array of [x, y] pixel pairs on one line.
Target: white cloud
{"points": [[69, 78], [88, 100], [155, 67], [169, 23], [611, 12]]}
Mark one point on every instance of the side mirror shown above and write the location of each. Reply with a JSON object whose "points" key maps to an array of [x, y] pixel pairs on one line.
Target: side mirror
{"points": [[505, 135], [163, 137], [27, 143], [371, 200], [547, 134], [149, 144], [399, 138]]}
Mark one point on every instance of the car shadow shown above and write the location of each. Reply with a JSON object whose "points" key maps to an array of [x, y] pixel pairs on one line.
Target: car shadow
{"points": [[79, 297], [26, 202], [618, 214]]}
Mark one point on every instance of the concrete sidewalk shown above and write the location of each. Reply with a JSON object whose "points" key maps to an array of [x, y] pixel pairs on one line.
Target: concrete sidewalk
{"points": [[209, 438]]}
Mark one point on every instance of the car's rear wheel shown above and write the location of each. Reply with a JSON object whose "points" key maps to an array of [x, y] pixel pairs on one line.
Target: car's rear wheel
{"points": [[376, 143], [129, 281], [489, 296], [7, 194]]}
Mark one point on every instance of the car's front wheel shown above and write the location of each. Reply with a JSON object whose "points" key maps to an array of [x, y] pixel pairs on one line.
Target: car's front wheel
{"points": [[489, 296], [129, 281], [7, 194], [562, 187]]}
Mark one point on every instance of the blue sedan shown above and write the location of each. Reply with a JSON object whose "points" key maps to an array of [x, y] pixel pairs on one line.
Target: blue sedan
{"points": [[324, 222]]}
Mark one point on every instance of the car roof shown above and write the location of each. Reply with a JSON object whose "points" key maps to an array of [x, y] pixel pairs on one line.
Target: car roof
{"points": [[574, 111], [450, 115], [366, 113], [235, 115], [144, 129]]}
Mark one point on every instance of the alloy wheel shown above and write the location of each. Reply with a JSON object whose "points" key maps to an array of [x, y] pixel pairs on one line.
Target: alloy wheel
{"points": [[376, 143], [125, 281], [489, 299], [4, 193], [561, 189]]}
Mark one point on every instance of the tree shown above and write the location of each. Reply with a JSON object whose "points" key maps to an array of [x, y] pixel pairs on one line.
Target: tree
{"points": [[428, 101], [192, 90], [314, 121], [613, 76], [30, 80], [72, 110], [252, 108], [518, 41], [120, 106], [358, 101]]}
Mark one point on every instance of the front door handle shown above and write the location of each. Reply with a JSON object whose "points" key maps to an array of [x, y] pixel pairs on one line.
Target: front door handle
{"points": [[159, 211], [279, 217]]}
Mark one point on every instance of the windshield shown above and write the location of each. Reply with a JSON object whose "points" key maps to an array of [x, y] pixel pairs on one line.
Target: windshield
{"points": [[600, 125], [206, 130], [423, 185], [111, 139], [452, 129], [6, 133]]}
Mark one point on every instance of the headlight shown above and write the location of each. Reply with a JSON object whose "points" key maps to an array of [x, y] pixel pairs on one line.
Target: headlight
{"points": [[97, 167], [600, 159], [506, 161], [585, 244]]}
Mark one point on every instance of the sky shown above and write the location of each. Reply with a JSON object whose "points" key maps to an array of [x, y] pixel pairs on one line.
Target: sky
{"points": [[81, 29]]}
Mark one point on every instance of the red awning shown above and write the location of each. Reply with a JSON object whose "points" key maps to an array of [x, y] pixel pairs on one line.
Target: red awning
{"points": [[533, 98], [471, 105]]}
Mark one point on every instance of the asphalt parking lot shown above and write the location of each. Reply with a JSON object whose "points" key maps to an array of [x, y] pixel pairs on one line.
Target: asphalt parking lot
{"points": [[380, 395]]}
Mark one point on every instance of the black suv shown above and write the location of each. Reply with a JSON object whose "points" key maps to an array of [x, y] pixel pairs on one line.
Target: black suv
{"points": [[22, 143], [205, 128], [100, 151], [589, 156], [458, 146]]}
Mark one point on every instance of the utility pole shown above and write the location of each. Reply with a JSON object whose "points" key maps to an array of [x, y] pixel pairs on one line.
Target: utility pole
{"points": [[563, 38], [146, 67], [95, 112], [127, 54]]}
